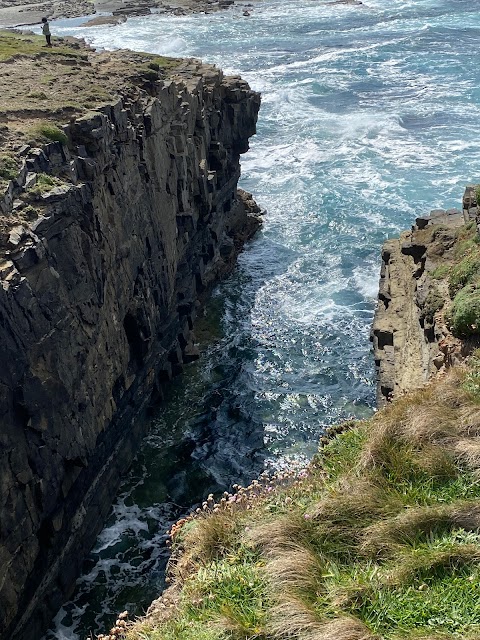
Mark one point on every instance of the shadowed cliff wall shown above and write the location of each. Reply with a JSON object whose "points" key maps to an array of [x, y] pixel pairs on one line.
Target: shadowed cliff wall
{"points": [[97, 303]]}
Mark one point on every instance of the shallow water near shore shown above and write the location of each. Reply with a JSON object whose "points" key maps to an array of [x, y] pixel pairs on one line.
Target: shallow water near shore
{"points": [[370, 117]]}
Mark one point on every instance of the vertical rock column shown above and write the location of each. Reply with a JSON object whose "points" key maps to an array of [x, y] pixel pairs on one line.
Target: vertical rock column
{"points": [[97, 304]]}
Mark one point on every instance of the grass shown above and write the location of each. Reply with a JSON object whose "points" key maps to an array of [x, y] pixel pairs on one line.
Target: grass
{"points": [[159, 63], [477, 195], [14, 44], [378, 539], [459, 274], [44, 184], [464, 272], [46, 131], [231, 589], [9, 166], [471, 382], [441, 272], [464, 314]]}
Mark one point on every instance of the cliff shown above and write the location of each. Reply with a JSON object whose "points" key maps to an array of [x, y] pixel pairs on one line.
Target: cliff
{"points": [[110, 236], [421, 274]]}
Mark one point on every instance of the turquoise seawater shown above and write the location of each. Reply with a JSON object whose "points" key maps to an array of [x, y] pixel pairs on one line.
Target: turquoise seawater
{"points": [[370, 117]]}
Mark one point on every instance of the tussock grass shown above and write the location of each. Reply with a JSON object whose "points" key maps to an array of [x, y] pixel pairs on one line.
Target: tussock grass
{"points": [[280, 534], [292, 619], [379, 539], [298, 572], [207, 539]]}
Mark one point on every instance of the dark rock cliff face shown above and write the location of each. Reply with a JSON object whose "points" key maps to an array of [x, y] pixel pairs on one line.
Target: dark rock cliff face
{"points": [[97, 304]]}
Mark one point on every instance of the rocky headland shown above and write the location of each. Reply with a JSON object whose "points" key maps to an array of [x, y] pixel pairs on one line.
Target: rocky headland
{"points": [[119, 210]]}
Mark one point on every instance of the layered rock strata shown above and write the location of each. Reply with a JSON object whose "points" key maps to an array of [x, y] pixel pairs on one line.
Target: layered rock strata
{"points": [[98, 297], [410, 338]]}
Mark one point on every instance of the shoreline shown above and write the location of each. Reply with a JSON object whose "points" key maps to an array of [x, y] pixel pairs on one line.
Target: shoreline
{"points": [[24, 14]]}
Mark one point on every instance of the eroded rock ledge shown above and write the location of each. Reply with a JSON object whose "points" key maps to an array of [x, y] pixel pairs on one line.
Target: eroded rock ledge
{"points": [[98, 297], [411, 339]]}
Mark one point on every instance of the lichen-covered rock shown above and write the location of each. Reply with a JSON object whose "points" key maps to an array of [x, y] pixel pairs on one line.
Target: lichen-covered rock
{"points": [[98, 294]]}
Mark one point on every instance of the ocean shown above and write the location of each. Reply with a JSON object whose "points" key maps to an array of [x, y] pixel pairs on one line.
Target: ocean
{"points": [[370, 117]]}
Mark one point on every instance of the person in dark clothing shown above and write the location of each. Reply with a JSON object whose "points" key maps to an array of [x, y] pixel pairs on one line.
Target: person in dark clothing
{"points": [[46, 32]]}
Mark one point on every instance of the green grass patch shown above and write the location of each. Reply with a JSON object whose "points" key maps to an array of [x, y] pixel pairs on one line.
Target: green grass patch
{"points": [[184, 628], [9, 166], [158, 63], [341, 454], [13, 44], [425, 490], [464, 272], [46, 131], [477, 195], [232, 589], [44, 184], [430, 586], [441, 272], [463, 316], [157, 68], [447, 603], [471, 382]]}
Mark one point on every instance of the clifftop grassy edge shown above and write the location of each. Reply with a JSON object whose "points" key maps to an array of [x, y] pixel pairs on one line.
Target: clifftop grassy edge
{"points": [[46, 89]]}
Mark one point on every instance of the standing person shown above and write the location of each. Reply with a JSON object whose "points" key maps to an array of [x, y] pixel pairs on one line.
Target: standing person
{"points": [[46, 32]]}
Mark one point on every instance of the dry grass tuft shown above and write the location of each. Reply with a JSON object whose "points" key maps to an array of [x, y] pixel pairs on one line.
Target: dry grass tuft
{"points": [[466, 515], [467, 452], [298, 571], [209, 538], [415, 567], [293, 619], [352, 504], [385, 537], [281, 534], [435, 414]]}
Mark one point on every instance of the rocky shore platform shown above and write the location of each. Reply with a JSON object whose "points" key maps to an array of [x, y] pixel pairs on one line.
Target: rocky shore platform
{"points": [[20, 13]]}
